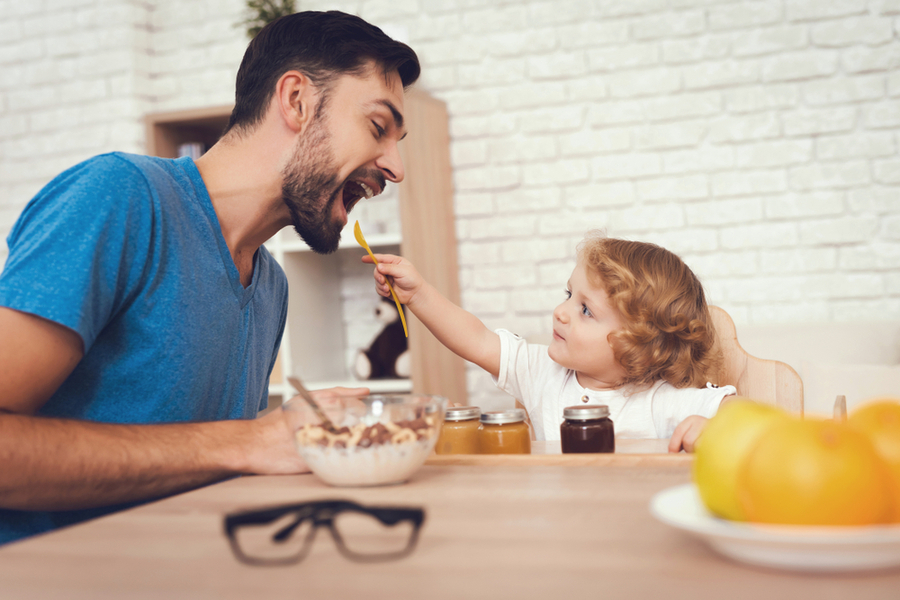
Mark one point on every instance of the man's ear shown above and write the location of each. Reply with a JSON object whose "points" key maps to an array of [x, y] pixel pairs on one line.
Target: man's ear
{"points": [[296, 98]]}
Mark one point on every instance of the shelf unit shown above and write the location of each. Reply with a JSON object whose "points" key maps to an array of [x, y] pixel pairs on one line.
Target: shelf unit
{"points": [[315, 343]]}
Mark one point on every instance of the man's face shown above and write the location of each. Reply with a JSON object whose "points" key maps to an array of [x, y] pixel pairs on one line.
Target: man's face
{"points": [[348, 152]]}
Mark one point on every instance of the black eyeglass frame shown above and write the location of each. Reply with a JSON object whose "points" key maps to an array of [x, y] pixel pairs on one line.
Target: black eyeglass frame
{"points": [[321, 513]]}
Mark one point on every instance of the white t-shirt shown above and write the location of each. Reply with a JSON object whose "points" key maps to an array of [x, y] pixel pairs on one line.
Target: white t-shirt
{"points": [[546, 388]]}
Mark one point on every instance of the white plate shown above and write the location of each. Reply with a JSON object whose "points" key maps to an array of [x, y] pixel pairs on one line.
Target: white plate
{"points": [[794, 547]]}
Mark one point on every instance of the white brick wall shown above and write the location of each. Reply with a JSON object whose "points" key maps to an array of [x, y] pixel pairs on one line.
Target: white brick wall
{"points": [[757, 138]]}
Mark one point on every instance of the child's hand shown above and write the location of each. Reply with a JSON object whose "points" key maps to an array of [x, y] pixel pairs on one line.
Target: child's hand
{"points": [[404, 276], [686, 434]]}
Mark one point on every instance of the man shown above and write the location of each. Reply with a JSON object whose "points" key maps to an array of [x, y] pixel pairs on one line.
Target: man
{"points": [[141, 316]]}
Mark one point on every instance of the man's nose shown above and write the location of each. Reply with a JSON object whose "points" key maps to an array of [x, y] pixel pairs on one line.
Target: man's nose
{"points": [[391, 164]]}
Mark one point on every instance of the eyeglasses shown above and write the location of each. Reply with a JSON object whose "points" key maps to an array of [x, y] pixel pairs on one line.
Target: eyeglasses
{"points": [[283, 535]]}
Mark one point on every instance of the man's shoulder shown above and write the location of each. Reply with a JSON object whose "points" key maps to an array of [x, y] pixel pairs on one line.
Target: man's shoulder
{"points": [[118, 171], [118, 188], [122, 161]]}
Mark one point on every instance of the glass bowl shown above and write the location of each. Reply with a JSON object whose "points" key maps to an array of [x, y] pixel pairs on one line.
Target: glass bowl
{"points": [[382, 438]]}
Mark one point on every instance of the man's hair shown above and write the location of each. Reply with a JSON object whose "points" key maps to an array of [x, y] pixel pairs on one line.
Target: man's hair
{"points": [[322, 46], [667, 332]]}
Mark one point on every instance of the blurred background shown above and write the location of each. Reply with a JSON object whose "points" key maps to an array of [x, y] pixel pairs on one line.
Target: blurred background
{"points": [[758, 139]]}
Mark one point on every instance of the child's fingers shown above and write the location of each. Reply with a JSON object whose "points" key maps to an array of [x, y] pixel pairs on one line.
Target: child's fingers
{"points": [[686, 434], [677, 440], [382, 273], [382, 258], [689, 442], [383, 289], [388, 270]]}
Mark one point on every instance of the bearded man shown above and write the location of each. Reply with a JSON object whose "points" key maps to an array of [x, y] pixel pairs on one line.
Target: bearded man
{"points": [[141, 315]]}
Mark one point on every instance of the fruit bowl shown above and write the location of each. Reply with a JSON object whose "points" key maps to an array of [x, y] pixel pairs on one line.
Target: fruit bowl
{"points": [[379, 439], [807, 548]]}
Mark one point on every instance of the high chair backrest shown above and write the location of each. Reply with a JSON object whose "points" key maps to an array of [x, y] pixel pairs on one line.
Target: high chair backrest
{"points": [[768, 381]]}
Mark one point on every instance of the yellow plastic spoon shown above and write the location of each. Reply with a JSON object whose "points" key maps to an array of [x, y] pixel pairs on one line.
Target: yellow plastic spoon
{"points": [[357, 233]]}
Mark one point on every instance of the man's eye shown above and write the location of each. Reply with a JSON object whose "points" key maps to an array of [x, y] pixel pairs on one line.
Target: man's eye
{"points": [[378, 128]]}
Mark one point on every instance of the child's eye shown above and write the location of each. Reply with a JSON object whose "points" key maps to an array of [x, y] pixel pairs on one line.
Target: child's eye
{"points": [[586, 311], [568, 294]]}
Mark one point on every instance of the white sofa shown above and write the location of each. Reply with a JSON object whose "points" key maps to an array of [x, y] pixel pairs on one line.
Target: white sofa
{"points": [[857, 360]]}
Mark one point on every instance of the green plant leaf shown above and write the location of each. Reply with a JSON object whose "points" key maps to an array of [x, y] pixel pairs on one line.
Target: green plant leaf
{"points": [[262, 12]]}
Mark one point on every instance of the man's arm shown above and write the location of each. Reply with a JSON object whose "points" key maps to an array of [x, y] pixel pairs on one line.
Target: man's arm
{"points": [[457, 329], [59, 464]]}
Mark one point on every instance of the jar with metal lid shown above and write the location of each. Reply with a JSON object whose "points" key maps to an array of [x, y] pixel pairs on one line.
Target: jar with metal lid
{"points": [[459, 433], [587, 429], [504, 432]]}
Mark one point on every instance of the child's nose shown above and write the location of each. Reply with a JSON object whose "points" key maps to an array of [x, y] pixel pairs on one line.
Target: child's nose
{"points": [[559, 313]]}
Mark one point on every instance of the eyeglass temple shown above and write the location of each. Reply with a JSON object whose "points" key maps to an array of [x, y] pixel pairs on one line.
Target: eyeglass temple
{"points": [[286, 532], [314, 512]]}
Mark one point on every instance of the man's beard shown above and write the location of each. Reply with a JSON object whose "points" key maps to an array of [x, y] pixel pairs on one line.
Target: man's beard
{"points": [[307, 180]]}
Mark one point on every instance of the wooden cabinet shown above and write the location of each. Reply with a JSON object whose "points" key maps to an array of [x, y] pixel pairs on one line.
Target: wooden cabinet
{"points": [[331, 297]]}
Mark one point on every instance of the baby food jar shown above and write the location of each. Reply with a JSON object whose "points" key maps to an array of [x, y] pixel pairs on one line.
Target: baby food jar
{"points": [[504, 432], [459, 433], [587, 429]]}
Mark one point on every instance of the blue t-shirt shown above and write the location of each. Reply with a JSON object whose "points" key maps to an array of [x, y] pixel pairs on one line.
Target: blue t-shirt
{"points": [[127, 251]]}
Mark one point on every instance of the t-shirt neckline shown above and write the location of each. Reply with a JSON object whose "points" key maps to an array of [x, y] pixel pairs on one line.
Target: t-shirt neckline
{"points": [[243, 294]]}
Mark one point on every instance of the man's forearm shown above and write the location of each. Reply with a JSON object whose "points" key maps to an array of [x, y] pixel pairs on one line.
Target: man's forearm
{"points": [[57, 464]]}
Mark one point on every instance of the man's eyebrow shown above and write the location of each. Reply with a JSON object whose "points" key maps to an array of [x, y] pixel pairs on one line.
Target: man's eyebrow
{"points": [[398, 118]]}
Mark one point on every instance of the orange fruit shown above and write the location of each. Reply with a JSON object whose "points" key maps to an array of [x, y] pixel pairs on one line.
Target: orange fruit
{"points": [[879, 420], [722, 447], [814, 472]]}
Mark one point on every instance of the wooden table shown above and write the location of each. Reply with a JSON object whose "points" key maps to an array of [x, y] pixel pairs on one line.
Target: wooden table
{"points": [[546, 526]]}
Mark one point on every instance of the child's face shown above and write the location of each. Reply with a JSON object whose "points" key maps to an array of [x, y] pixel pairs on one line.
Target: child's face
{"points": [[581, 326]]}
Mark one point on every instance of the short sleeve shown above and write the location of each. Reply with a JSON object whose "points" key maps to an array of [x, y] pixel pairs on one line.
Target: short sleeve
{"points": [[80, 246], [513, 355], [524, 370]]}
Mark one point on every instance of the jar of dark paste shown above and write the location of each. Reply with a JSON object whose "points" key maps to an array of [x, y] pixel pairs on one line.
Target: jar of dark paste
{"points": [[587, 429]]}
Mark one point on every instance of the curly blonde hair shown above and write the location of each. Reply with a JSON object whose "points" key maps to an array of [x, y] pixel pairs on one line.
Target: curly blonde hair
{"points": [[667, 330]]}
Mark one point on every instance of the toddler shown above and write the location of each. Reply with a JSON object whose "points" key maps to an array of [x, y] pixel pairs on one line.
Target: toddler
{"points": [[633, 332]]}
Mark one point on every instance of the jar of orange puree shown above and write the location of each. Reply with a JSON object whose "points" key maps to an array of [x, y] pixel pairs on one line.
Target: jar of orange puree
{"points": [[504, 432], [459, 433]]}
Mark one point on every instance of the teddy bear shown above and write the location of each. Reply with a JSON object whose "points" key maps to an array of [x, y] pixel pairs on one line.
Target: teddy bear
{"points": [[388, 355]]}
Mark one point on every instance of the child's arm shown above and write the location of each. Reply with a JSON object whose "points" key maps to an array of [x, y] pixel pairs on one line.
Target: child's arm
{"points": [[686, 434], [688, 431], [459, 330]]}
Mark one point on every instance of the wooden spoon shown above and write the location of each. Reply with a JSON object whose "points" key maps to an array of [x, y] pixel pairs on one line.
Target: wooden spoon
{"points": [[357, 233]]}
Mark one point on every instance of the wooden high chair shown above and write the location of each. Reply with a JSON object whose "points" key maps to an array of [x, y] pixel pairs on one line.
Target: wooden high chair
{"points": [[768, 381]]}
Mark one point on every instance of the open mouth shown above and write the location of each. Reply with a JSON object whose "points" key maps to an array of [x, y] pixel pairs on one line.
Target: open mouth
{"points": [[354, 191]]}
